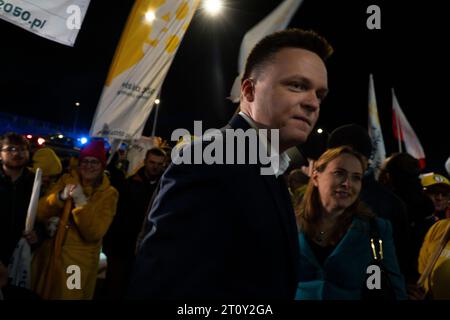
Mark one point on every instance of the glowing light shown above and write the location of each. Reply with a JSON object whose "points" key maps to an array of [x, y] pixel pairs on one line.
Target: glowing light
{"points": [[213, 7], [29, 136], [83, 140], [157, 101], [60, 136], [319, 130], [40, 141], [77, 104], [150, 16]]}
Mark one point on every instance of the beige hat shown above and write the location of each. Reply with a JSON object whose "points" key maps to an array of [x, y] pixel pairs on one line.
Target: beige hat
{"points": [[48, 161]]}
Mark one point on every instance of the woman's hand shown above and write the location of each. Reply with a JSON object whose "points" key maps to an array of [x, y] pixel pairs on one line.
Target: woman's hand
{"points": [[78, 196], [66, 192], [74, 191]]}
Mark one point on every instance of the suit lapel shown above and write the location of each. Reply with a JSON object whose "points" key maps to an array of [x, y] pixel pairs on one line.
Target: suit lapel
{"points": [[280, 195]]}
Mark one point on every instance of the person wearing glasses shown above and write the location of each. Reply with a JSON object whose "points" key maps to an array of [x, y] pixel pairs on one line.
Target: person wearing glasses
{"points": [[16, 184], [65, 267]]}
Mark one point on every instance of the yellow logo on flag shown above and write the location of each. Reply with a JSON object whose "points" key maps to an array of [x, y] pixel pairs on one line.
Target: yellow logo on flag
{"points": [[138, 33]]}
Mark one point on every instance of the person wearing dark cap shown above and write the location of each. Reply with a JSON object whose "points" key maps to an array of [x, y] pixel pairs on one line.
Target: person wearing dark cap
{"points": [[85, 203], [384, 203]]}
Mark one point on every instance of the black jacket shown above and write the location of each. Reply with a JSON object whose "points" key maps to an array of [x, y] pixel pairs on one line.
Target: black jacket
{"points": [[218, 232], [14, 200], [134, 199]]}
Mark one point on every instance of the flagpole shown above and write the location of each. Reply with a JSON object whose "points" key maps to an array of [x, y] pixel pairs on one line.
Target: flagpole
{"points": [[156, 118], [399, 136]]}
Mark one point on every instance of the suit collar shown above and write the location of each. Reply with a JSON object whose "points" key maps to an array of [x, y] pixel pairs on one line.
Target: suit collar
{"points": [[238, 122]]}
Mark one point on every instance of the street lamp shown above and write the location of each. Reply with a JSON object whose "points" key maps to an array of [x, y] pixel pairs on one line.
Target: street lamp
{"points": [[150, 16], [213, 7], [157, 102], [75, 120]]}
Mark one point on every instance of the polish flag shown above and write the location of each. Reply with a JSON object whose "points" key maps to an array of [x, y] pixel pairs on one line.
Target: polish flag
{"points": [[403, 132]]}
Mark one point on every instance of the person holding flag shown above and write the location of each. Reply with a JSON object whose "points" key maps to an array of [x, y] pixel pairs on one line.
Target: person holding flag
{"points": [[16, 184]]}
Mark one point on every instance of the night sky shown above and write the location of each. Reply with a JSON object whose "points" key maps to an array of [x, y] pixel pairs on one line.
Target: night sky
{"points": [[43, 79]]}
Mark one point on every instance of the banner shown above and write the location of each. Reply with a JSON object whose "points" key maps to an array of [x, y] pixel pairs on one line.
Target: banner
{"points": [[404, 132], [277, 20], [378, 149], [137, 151], [152, 35], [57, 20]]}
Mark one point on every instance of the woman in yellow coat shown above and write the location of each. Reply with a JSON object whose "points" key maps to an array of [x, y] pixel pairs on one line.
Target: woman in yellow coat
{"points": [[434, 261], [65, 266]]}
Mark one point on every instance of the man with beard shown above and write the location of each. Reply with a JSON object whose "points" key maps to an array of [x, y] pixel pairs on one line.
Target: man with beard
{"points": [[16, 184]]}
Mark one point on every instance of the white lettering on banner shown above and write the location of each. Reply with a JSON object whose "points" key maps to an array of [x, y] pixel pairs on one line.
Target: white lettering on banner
{"points": [[58, 22], [142, 60]]}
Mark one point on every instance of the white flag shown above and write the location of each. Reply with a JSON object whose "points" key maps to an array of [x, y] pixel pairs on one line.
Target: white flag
{"points": [[277, 20], [57, 20], [147, 47], [34, 200], [378, 149], [404, 132], [137, 151]]}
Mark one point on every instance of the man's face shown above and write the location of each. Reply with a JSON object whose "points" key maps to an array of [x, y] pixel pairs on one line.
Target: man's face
{"points": [[14, 156], [287, 94], [440, 195], [154, 165]]}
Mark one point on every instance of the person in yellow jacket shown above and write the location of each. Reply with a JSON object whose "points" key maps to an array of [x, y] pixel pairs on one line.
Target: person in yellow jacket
{"points": [[65, 266], [434, 261], [50, 164]]}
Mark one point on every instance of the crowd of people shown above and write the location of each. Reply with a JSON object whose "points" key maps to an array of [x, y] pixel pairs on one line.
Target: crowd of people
{"points": [[327, 226]]}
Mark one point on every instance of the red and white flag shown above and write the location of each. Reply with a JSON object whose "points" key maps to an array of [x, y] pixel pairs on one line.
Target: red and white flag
{"points": [[404, 132]]}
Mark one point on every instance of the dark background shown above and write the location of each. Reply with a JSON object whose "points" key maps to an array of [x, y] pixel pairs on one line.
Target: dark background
{"points": [[43, 79]]}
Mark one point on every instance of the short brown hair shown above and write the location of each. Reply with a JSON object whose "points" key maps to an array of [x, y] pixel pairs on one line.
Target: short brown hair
{"points": [[14, 138], [159, 152], [264, 50]]}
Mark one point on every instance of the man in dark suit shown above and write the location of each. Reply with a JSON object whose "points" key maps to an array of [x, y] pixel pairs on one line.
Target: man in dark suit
{"points": [[227, 230]]}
